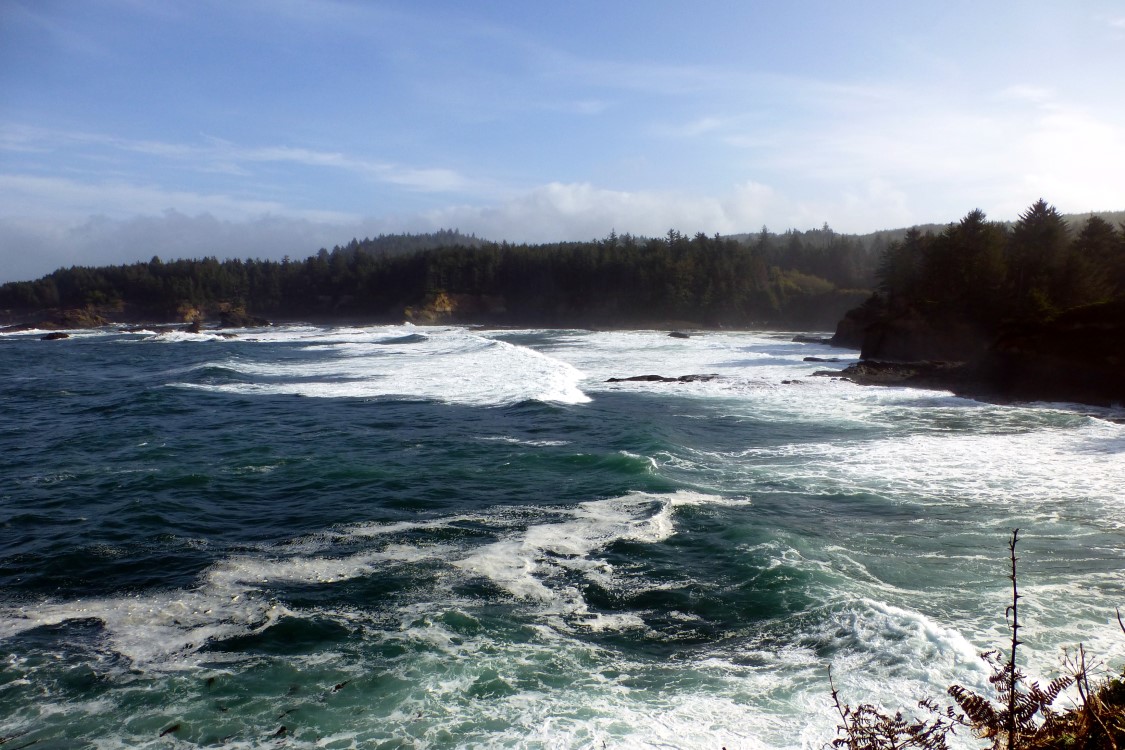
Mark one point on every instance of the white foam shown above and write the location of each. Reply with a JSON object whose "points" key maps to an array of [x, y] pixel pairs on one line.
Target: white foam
{"points": [[451, 365], [161, 629], [1031, 471], [152, 627], [529, 443]]}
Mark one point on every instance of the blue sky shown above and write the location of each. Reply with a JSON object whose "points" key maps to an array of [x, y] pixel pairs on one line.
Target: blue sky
{"points": [[261, 128]]}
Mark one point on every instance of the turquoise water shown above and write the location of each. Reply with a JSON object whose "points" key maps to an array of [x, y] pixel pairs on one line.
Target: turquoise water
{"points": [[403, 537]]}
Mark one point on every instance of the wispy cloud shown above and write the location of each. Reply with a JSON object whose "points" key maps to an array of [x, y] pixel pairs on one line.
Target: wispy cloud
{"points": [[1028, 93], [216, 155], [30, 20], [29, 196], [693, 128]]}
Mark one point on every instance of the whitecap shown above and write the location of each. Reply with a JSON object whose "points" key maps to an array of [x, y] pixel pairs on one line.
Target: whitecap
{"points": [[529, 564]]}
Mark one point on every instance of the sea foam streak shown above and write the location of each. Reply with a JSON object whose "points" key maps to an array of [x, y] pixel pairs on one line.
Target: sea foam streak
{"points": [[525, 564]]}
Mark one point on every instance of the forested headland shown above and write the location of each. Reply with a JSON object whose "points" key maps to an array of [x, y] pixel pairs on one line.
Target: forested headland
{"points": [[791, 280], [1031, 310]]}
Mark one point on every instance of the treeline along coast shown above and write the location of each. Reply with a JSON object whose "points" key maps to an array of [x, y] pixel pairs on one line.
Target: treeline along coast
{"points": [[797, 279]]}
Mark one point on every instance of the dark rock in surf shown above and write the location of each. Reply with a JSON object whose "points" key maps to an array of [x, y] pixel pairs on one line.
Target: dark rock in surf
{"points": [[54, 336], [939, 375], [822, 359], [663, 379], [410, 338], [679, 335]]}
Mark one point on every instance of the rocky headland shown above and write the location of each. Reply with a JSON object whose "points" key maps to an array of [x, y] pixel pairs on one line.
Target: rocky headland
{"points": [[1077, 356]]}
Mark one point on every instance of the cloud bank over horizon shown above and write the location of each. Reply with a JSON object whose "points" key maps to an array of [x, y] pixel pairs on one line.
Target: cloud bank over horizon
{"points": [[264, 129]]}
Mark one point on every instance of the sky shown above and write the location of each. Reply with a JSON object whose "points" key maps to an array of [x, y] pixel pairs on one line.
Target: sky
{"points": [[264, 128]]}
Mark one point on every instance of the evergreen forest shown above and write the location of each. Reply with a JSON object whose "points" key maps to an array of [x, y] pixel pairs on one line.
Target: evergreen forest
{"points": [[987, 272], [794, 279]]}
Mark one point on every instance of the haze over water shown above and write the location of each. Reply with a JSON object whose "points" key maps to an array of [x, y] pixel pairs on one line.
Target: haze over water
{"points": [[405, 537]]}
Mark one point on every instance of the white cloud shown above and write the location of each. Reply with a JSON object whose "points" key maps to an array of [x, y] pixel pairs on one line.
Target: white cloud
{"points": [[1028, 93], [940, 159], [581, 211]]}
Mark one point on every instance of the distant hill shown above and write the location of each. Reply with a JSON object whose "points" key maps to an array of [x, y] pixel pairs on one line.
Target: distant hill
{"points": [[388, 245]]}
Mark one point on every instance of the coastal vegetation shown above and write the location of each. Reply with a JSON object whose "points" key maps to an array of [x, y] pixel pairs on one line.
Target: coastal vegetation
{"points": [[957, 289]]}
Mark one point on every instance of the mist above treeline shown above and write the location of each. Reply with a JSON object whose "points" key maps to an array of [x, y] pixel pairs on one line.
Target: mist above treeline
{"points": [[792, 280]]}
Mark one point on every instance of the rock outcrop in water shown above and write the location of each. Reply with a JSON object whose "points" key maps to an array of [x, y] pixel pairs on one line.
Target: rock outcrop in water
{"points": [[237, 317], [56, 320], [663, 379]]}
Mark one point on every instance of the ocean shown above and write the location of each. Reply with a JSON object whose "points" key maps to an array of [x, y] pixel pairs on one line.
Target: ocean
{"points": [[449, 537]]}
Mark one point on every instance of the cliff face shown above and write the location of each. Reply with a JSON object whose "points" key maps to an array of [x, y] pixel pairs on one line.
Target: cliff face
{"points": [[442, 307], [1078, 356], [899, 333], [912, 338]]}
